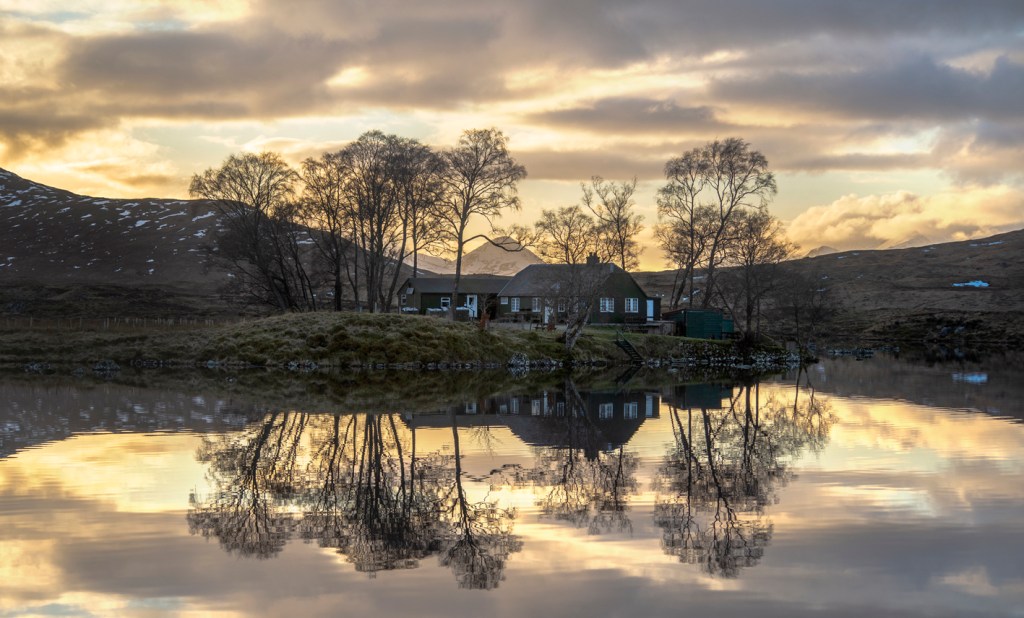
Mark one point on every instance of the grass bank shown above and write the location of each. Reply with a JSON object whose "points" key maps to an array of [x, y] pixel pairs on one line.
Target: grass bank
{"points": [[336, 340]]}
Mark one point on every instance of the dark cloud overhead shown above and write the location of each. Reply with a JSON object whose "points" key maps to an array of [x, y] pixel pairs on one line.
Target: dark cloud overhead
{"points": [[266, 71], [918, 88]]}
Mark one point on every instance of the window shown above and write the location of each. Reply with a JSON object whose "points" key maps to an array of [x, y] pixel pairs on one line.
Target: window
{"points": [[535, 304], [471, 408], [515, 303], [561, 306], [629, 410], [561, 408], [409, 290], [605, 410], [632, 305], [649, 413], [515, 405], [402, 299], [504, 300], [607, 305], [446, 302], [535, 407]]}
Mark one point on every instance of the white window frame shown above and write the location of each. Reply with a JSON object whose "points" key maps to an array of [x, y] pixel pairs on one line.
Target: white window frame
{"points": [[607, 305], [605, 411], [514, 405], [515, 304], [535, 407], [403, 300], [630, 410], [561, 306], [535, 304], [632, 305], [504, 300], [446, 302]]}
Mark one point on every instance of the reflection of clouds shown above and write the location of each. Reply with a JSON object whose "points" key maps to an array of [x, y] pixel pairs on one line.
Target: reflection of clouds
{"points": [[916, 437]]}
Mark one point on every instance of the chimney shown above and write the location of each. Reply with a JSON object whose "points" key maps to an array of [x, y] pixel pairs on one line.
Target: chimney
{"points": [[592, 260]]}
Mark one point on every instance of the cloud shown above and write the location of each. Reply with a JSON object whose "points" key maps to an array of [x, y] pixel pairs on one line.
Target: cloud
{"points": [[632, 115], [256, 75], [853, 222], [914, 88], [577, 165]]}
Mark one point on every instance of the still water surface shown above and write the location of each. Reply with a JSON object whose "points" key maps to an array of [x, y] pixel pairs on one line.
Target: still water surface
{"points": [[859, 488]]}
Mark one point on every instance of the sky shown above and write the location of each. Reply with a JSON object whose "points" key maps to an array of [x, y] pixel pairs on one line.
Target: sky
{"points": [[882, 119]]}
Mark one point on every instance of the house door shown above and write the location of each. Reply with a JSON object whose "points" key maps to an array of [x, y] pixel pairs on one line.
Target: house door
{"points": [[549, 315], [471, 304], [650, 309]]}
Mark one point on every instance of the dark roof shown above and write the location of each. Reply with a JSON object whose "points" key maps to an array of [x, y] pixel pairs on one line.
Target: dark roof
{"points": [[547, 279], [472, 284]]}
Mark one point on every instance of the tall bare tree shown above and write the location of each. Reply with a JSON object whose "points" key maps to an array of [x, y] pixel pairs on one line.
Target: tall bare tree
{"points": [[479, 181], [326, 212], [716, 180], [254, 193], [423, 190], [759, 245], [683, 229], [612, 205], [567, 235]]}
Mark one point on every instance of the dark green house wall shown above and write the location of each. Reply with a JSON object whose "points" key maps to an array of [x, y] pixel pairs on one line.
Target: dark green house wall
{"points": [[619, 286]]}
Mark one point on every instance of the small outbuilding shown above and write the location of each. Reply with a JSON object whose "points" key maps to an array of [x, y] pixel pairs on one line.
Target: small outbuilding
{"points": [[700, 323]]}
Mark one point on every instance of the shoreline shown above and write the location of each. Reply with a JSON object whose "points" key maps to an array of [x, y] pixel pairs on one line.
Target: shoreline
{"points": [[341, 341]]}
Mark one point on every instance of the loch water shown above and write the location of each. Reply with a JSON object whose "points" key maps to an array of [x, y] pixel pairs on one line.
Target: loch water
{"points": [[872, 487]]}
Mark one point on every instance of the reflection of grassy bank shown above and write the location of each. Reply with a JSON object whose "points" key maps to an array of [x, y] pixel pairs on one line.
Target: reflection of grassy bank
{"points": [[258, 390], [332, 339]]}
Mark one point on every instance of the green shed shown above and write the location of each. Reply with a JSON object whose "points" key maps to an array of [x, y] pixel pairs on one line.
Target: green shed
{"points": [[699, 323]]}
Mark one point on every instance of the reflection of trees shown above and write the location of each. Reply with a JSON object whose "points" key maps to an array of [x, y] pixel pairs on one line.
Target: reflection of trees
{"points": [[723, 468], [244, 516], [355, 484], [579, 482]]}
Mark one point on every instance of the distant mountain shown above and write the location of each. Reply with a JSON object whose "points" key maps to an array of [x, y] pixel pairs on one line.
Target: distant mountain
{"points": [[52, 236], [914, 240], [822, 250], [487, 259]]}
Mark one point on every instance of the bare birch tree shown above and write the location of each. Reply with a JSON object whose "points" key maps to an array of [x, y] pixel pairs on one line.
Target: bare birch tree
{"points": [[479, 181], [718, 180], [612, 205], [254, 194]]}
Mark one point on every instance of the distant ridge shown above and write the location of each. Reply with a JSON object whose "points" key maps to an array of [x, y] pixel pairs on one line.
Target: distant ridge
{"points": [[822, 250], [486, 259], [915, 240]]}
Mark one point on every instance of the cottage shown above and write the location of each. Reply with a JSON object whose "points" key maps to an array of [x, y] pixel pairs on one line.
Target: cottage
{"points": [[433, 295], [542, 293]]}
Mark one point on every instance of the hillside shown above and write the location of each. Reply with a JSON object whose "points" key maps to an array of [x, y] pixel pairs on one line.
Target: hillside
{"points": [[63, 254], [882, 290], [53, 236]]}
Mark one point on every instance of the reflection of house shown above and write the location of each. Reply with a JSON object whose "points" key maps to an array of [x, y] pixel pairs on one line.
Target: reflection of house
{"points": [[700, 323], [430, 295], [606, 420], [542, 292], [699, 396]]}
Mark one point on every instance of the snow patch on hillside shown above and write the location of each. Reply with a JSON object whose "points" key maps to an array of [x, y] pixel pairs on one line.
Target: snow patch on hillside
{"points": [[971, 284]]}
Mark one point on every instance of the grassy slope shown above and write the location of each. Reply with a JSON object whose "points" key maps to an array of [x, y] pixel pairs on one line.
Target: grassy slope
{"points": [[337, 339]]}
